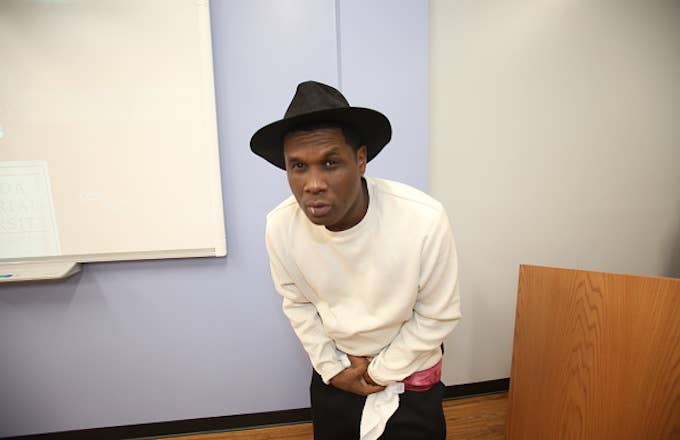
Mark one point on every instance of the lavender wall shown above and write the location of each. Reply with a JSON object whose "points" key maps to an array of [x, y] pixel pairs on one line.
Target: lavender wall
{"points": [[146, 341], [384, 59]]}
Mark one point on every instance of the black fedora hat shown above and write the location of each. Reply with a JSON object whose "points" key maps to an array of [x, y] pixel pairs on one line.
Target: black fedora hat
{"points": [[317, 102]]}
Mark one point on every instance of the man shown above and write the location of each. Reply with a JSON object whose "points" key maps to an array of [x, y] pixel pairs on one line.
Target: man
{"points": [[366, 267]]}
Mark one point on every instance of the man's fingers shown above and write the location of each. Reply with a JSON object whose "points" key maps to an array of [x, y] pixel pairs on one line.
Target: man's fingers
{"points": [[352, 379], [367, 388]]}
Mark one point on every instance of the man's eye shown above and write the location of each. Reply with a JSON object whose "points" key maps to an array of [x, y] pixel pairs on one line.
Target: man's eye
{"points": [[330, 163], [298, 165]]}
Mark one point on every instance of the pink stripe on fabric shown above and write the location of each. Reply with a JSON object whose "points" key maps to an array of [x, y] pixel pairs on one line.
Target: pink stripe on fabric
{"points": [[425, 379]]}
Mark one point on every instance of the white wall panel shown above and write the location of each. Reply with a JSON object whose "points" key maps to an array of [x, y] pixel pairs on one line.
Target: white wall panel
{"points": [[554, 142]]}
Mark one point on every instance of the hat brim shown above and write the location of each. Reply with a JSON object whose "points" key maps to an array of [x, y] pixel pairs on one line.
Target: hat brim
{"points": [[373, 127]]}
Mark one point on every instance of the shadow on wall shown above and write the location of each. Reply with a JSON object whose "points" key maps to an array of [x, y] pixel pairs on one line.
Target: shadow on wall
{"points": [[51, 292], [673, 268]]}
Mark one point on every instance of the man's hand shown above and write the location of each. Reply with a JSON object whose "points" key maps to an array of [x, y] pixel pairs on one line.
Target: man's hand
{"points": [[351, 379]]}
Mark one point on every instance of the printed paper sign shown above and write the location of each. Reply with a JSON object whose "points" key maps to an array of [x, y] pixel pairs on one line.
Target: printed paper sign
{"points": [[28, 226]]}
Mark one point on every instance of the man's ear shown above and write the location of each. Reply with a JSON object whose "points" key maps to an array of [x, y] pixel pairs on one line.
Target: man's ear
{"points": [[362, 158]]}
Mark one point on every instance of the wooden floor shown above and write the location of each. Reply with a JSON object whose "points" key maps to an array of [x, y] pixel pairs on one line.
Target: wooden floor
{"points": [[475, 418]]}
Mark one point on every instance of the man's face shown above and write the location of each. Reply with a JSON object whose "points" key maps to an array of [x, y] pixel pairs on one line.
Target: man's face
{"points": [[324, 173]]}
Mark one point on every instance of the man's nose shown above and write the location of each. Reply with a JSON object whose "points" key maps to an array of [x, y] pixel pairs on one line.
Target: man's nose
{"points": [[315, 183]]}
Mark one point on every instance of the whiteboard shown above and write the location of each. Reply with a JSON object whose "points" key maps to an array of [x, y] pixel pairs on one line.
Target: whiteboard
{"points": [[108, 134]]}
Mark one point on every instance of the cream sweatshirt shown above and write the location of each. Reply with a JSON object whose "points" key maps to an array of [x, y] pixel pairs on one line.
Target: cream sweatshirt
{"points": [[386, 288]]}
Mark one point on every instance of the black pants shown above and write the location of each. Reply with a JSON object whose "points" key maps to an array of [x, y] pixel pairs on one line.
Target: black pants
{"points": [[336, 414]]}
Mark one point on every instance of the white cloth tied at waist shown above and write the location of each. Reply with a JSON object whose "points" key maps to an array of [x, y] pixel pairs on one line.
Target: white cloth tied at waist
{"points": [[378, 408]]}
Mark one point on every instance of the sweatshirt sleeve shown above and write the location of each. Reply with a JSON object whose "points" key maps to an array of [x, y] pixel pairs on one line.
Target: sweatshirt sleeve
{"points": [[303, 316], [435, 313]]}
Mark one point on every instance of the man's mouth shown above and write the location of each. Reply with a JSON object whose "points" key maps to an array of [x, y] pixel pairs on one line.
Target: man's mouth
{"points": [[318, 209]]}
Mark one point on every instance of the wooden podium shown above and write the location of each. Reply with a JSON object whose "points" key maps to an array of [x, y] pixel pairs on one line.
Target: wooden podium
{"points": [[596, 356]]}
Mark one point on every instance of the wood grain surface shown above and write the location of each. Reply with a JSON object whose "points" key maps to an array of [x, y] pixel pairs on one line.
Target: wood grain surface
{"points": [[595, 356]]}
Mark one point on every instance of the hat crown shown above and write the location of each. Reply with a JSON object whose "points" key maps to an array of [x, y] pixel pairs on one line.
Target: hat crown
{"points": [[315, 102], [312, 96]]}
